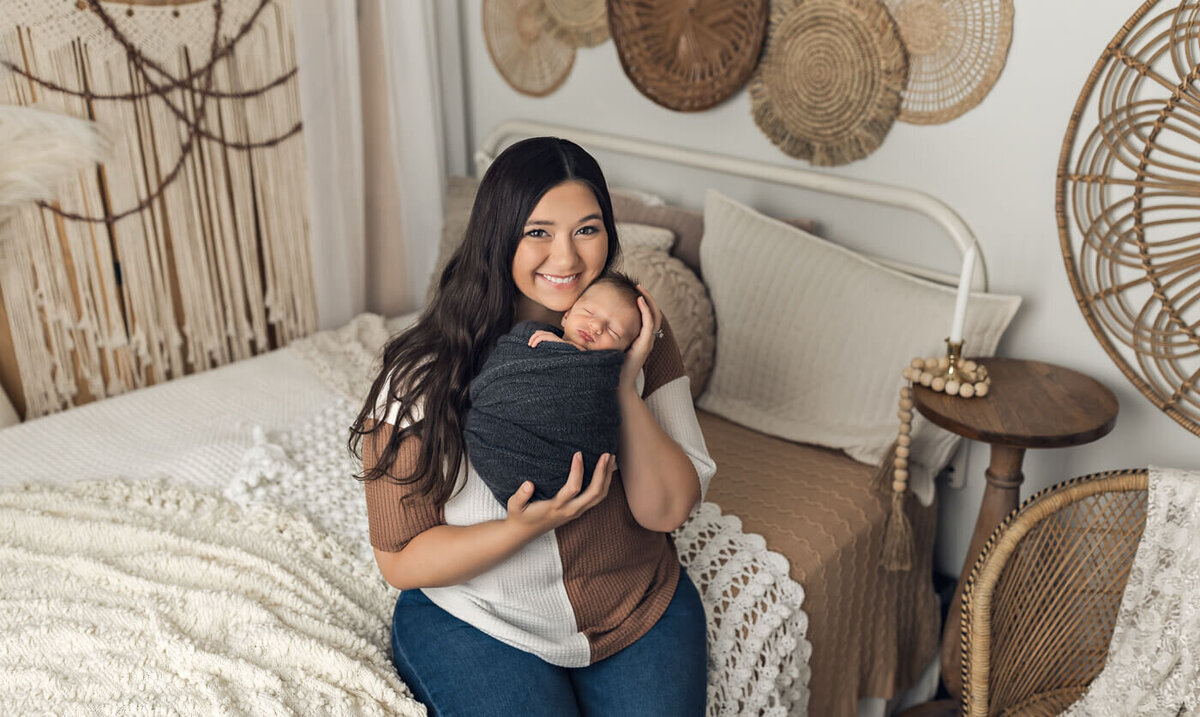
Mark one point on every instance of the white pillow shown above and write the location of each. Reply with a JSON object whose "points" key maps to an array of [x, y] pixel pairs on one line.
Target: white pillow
{"points": [[811, 338]]}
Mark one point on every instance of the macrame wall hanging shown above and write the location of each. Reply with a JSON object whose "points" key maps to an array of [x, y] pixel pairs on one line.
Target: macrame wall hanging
{"points": [[188, 248], [1128, 206]]}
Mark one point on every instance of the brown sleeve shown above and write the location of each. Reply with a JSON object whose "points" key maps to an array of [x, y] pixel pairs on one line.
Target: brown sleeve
{"points": [[396, 513], [664, 364]]}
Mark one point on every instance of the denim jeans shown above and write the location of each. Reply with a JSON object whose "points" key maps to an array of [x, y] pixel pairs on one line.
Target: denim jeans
{"points": [[455, 669]]}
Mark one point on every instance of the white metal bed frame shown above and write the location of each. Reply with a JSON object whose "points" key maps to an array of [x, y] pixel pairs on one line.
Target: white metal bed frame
{"points": [[945, 217]]}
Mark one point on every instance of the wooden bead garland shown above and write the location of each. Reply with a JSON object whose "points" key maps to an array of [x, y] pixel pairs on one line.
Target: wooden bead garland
{"points": [[967, 380]]}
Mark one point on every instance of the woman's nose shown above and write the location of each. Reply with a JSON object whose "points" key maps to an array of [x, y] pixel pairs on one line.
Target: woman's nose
{"points": [[562, 252]]}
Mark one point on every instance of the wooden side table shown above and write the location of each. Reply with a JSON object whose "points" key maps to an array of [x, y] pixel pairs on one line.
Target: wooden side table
{"points": [[1030, 404]]}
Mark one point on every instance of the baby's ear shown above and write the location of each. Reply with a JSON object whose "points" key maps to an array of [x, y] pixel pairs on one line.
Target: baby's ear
{"points": [[563, 320]]}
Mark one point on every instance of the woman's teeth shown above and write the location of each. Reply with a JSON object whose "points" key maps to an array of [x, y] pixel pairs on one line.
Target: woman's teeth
{"points": [[559, 279]]}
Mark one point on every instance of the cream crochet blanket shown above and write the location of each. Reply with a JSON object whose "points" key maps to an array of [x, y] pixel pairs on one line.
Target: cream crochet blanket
{"points": [[143, 597], [1153, 664], [758, 654]]}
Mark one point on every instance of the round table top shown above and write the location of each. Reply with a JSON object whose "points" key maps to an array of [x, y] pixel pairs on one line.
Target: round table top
{"points": [[1030, 404]]}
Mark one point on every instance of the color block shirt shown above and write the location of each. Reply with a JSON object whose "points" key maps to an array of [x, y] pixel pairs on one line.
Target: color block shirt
{"points": [[576, 594]]}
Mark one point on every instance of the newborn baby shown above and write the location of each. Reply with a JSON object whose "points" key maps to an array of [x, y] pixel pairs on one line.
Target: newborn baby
{"points": [[542, 396]]}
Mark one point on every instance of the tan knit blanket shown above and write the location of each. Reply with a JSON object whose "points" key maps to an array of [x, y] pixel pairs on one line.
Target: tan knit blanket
{"points": [[136, 598]]}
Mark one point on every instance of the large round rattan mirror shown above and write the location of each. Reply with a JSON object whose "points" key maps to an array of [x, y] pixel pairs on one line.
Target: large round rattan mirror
{"points": [[1128, 204]]}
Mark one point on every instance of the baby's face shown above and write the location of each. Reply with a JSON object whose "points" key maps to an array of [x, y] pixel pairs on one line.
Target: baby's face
{"points": [[602, 318]]}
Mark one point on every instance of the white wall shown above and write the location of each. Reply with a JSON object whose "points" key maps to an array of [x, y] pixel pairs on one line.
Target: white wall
{"points": [[995, 166]]}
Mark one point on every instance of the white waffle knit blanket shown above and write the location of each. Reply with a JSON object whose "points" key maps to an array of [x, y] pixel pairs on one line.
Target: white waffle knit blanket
{"points": [[1153, 664], [143, 597]]}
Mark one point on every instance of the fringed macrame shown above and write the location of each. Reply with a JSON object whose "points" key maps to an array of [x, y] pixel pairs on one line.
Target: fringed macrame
{"points": [[188, 248]]}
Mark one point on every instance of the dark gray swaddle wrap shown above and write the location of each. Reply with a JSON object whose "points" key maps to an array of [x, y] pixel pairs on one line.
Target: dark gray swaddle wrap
{"points": [[533, 408]]}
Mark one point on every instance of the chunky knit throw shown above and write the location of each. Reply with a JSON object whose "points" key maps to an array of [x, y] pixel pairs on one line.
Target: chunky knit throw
{"points": [[147, 598], [533, 408]]}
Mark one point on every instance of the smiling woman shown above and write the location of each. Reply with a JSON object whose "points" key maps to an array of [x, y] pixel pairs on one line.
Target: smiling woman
{"points": [[618, 627]]}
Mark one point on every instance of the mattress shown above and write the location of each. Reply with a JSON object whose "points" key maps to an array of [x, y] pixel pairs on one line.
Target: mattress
{"points": [[872, 631], [194, 429]]}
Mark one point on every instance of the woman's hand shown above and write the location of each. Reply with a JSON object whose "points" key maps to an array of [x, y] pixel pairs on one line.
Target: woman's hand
{"points": [[569, 503], [639, 350]]}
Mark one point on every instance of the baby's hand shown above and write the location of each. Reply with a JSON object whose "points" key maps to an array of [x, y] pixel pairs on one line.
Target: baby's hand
{"points": [[543, 335]]}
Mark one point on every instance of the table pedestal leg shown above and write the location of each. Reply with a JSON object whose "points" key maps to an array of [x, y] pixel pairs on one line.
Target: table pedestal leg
{"points": [[1000, 497]]}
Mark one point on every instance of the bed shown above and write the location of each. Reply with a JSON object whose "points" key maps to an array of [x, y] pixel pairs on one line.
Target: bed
{"points": [[244, 468]]}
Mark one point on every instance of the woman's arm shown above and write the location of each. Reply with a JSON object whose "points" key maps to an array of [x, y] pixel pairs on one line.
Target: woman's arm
{"points": [[661, 484], [660, 480], [450, 554]]}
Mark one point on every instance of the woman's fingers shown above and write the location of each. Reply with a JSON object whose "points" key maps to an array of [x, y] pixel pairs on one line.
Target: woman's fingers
{"points": [[518, 500], [574, 480], [652, 306], [598, 488]]}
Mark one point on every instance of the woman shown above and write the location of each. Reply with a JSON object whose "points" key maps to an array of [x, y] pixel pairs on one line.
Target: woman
{"points": [[572, 605]]}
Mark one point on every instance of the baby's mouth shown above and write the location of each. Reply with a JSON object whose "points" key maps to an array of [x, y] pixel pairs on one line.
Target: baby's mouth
{"points": [[587, 338]]}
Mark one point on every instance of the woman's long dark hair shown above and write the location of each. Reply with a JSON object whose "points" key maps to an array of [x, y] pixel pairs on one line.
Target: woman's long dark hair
{"points": [[431, 364]]}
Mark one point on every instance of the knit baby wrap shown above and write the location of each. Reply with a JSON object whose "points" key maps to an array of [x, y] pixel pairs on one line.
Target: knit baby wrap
{"points": [[533, 408]]}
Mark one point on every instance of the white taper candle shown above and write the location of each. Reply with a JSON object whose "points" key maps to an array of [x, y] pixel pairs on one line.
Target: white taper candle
{"points": [[964, 291]]}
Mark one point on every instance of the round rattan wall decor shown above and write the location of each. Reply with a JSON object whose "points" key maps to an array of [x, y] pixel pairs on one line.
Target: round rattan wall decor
{"points": [[956, 51], [828, 87], [530, 58], [581, 23], [688, 55], [1128, 204]]}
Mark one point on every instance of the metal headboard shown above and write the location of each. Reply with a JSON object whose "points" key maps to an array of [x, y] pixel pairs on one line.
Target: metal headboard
{"points": [[945, 217]]}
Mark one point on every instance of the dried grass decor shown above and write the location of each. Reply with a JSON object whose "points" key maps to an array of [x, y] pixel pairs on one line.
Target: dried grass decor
{"points": [[828, 87], [188, 248], [956, 51], [526, 52], [688, 55], [1128, 208]]}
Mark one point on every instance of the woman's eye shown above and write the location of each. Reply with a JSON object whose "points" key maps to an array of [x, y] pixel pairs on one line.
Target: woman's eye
{"points": [[536, 233], [588, 230]]}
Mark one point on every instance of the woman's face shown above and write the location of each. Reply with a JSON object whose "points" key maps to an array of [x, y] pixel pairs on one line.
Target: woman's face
{"points": [[563, 248]]}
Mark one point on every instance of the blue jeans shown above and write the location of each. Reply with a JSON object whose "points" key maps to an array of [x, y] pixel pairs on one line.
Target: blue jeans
{"points": [[455, 669]]}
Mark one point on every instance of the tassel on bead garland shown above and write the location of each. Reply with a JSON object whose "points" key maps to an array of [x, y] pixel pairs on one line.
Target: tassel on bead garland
{"points": [[897, 535]]}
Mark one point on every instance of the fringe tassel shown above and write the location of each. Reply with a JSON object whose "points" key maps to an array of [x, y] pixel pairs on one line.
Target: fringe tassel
{"points": [[897, 538]]}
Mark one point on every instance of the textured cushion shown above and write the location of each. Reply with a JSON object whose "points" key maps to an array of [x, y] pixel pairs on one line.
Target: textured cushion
{"points": [[811, 338], [678, 292]]}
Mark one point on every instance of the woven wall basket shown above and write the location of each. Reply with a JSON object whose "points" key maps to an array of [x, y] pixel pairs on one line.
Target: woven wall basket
{"points": [[828, 87], [580, 23], [1128, 208], [530, 58], [688, 55], [956, 51]]}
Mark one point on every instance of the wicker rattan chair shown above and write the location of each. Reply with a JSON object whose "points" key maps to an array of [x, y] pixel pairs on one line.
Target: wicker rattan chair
{"points": [[1041, 601]]}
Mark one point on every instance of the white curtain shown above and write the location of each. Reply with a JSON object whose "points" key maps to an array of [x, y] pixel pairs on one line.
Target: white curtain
{"points": [[372, 88]]}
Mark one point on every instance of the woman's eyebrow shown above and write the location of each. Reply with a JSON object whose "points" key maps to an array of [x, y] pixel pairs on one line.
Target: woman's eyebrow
{"points": [[589, 218]]}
